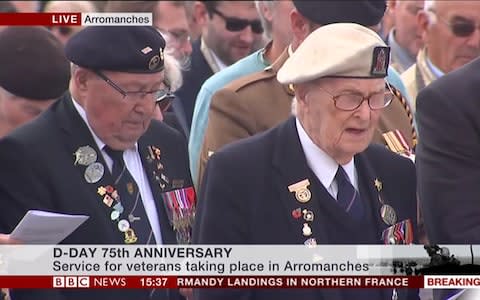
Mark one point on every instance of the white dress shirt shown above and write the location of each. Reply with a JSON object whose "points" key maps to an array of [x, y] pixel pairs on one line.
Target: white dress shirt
{"points": [[322, 165]]}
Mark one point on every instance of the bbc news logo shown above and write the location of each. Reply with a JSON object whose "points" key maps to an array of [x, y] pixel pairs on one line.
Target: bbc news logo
{"points": [[71, 282]]}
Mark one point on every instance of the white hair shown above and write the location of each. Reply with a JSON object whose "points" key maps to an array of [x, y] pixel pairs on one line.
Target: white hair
{"points": [[173, 71]]}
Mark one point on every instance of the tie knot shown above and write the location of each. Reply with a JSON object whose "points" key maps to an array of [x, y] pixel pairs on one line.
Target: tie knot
{"points": [[116, 155], [341, 175]]}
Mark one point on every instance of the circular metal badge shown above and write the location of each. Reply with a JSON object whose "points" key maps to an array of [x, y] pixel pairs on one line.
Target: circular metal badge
{"points": [[123, 225], [303, 195], [94, 172], [85, 155]]}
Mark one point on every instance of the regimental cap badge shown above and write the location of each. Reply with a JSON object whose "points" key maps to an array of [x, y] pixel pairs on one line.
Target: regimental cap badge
{"points": [[380, 59], [154, 62], [302, 193]]}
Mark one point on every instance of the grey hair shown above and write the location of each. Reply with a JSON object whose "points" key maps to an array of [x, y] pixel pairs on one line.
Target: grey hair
{"points": [[267, 25], [173, 71]]}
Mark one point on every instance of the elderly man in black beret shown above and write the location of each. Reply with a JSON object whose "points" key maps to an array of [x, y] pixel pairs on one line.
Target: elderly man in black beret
{"points": [[97, 152], [34, 72]]}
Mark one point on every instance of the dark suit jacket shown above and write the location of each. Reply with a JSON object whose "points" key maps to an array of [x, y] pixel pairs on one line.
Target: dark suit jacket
{"points": [[245, 200], [38, 172], [448, 158], [193, 80]]}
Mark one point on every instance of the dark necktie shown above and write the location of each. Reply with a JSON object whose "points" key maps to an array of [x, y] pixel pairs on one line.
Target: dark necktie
{"points": [[348, 197], [133, 210]]}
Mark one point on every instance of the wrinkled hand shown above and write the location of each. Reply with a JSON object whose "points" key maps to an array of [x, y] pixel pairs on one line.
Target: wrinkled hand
{"points": [[187, 293]]}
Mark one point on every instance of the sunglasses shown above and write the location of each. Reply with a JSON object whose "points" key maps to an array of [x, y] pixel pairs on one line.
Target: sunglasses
{"points": [[63, 30], [236, 24], [460, 27]]}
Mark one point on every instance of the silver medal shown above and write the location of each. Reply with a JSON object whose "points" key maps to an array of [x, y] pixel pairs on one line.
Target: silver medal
{"points": [[85, 156], [123, 225], [94, 172], [118, 207], [388, 214], [115, 215]]}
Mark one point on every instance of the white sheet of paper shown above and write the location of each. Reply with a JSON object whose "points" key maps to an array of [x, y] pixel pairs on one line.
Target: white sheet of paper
{"points": [[42, 227]]}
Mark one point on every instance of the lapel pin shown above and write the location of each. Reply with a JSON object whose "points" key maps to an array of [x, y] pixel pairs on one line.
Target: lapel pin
{"points": [[307, 231], [297, 213], [85, 156], [378, 184]]}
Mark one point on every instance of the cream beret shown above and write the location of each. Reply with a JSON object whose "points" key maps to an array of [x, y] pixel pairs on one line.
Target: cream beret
{"points": [[337, 50]]}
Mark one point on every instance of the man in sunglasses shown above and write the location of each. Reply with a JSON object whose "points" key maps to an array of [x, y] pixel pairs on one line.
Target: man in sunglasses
{"points": [[314, 179], [231, 30], [258, 102], [450, 33], [98, 152]]}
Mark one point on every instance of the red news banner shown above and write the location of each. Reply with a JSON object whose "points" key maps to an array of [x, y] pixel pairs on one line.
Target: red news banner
{"points": [[40, 19], [213, 281]]}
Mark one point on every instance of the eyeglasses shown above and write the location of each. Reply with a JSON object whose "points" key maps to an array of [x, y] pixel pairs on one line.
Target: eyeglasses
{"points": [[162, 97], [236, 24], [460, 27], [350, 102], [63, 30]]}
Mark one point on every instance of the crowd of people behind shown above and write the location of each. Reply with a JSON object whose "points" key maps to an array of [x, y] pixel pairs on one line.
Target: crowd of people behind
{"points": [[271, 122]]}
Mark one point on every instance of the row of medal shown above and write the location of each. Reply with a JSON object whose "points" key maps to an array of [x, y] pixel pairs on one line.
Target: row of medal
{"points": [[180, 205], [303, 195], [112, 199], [87, 156]]}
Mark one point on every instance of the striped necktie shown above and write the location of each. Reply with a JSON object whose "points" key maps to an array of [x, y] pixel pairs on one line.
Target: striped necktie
{"points": [[133, 210], [348, 197]]}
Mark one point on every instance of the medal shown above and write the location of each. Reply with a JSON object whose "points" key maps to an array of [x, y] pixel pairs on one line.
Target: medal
{"points": [[310, 242], [118, 207], [130, 236], [123, 225], [302, 193], [85, 156], [308, 215], [388, 214], [307, 231], [94, 172], [114, 215], [297, 213], [108, 200]]}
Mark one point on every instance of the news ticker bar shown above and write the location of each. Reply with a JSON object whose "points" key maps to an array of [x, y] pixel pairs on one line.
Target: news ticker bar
{"points": [[76, 19], [127, 282]]}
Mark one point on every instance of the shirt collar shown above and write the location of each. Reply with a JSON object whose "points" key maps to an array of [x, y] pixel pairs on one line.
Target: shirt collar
{"points": [[435, 70], [83, 115], [322, 165]]}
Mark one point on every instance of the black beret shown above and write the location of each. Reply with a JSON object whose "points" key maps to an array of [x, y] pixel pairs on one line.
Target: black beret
{"points": [[363, 12], [32, 63], [129, 49]]}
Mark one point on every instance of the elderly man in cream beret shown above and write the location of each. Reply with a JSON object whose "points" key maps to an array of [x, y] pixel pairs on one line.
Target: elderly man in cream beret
{"points": [[315, 179]]}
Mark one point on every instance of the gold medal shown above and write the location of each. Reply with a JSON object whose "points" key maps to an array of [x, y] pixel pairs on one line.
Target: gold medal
{"points": [[302, 193], [388, 214], [130, 236]]}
